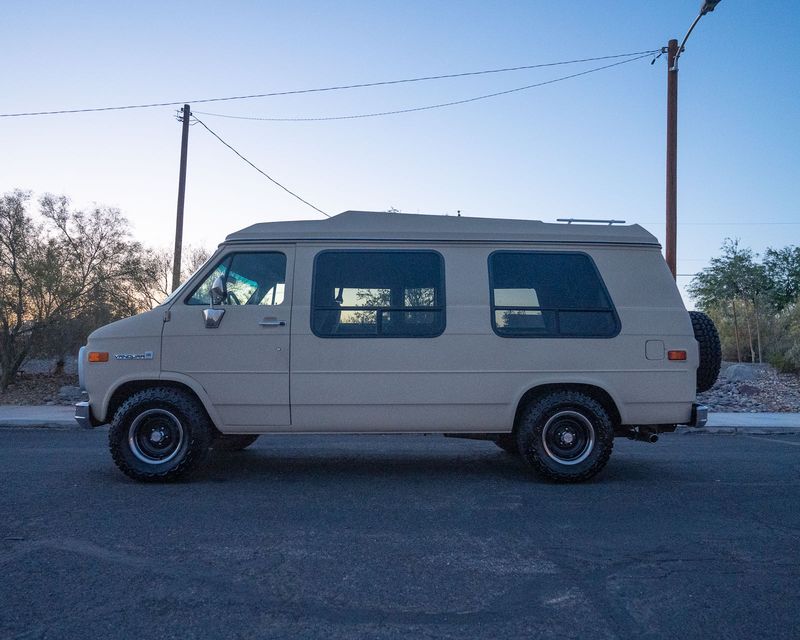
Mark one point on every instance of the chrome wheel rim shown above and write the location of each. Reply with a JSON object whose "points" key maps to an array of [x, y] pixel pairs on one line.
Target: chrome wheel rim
{"points": [[156, 436], [568, 437]]}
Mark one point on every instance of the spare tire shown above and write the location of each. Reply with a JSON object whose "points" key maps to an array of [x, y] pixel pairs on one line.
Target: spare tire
{"points": [[710, 350]]}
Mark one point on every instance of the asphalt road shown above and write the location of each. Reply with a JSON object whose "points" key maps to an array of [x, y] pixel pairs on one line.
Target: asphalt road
{"points": [[413, 537]]}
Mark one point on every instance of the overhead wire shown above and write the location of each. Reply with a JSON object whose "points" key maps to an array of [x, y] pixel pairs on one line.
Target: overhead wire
{"points": [[629, 57], [263, 173], [360, 85], [431, 106], [723, 224]]}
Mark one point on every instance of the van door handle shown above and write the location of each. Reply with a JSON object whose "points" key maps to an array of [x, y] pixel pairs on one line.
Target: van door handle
{"points": [[272, 322]]}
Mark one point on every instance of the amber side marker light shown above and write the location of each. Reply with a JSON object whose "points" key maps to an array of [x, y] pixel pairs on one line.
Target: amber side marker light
{"points": [[676, 355], [98, 356]]}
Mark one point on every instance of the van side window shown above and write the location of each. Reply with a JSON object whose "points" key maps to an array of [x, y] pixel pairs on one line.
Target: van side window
{"points": [[549, 294], [250, 278], [389, 294]]}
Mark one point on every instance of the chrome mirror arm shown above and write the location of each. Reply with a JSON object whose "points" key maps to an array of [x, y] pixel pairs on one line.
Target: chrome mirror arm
{"points": [[212, 316]]}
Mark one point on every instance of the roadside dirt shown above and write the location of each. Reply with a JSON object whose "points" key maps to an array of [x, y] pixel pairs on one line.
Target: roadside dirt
{"points": [[39, 389]]}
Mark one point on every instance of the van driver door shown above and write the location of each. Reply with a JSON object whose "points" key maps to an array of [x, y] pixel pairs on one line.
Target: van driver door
{"points": [[239, 351]]}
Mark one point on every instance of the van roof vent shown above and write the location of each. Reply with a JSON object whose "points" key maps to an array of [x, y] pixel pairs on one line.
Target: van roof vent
{"points": [[590, 221]]}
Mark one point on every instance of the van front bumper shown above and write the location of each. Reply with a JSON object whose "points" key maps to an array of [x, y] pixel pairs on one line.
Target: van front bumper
{"points": [[83, 415]]}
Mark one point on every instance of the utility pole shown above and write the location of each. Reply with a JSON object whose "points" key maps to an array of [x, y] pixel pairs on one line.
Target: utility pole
{"points": [[672, 157], [674, 51], [176, 264]]}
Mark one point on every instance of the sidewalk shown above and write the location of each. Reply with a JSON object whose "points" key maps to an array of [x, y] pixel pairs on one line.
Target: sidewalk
{"points": [[55, 416], [61, 417], [749, 423]]}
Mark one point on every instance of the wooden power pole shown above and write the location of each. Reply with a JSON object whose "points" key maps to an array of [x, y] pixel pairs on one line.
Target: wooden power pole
{"points": [[176, 264], [672, 157]]}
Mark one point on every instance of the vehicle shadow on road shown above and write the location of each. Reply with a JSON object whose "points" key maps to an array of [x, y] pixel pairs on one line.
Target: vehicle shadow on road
{"points": [[471, 462], [262, 464]]}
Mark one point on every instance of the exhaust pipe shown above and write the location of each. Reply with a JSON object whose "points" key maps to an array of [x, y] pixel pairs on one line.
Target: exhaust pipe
{"points": [[643, 436]]}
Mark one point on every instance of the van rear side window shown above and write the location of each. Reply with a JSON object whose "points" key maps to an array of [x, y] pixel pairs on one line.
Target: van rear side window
{"points": [[549, 295], [389, 294]]}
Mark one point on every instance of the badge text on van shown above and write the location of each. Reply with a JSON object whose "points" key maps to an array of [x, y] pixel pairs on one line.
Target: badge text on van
{"points": [[147, 355]]}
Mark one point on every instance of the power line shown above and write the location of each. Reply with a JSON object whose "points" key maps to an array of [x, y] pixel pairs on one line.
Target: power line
{"points": [[430, 106], [733, 223], [361, 85], [263, 173]]}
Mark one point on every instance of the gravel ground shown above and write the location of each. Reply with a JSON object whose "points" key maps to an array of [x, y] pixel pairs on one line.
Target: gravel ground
{"points": [[769, 391]]}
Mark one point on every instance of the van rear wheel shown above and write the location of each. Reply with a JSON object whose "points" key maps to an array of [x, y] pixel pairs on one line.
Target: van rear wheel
{"points": [[159, 434], [566, 436]]}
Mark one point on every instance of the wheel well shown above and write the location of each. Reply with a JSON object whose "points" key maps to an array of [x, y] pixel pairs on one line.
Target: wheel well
{"points": [[597, 393], [125, 390]]}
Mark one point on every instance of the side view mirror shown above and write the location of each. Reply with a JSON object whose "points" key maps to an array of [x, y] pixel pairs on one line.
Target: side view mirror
{"points": [[218, 293]]}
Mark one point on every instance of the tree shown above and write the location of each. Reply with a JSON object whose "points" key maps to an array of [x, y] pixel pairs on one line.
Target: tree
{"points": [[65, 271], [160, 262], [755, 288], [735, 281], [783, 271], [17, 265]]}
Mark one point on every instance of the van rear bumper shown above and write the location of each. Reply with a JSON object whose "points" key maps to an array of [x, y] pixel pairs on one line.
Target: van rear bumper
{"points": [[699, 415]]}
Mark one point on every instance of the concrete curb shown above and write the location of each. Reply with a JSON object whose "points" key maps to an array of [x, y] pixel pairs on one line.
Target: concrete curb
{"points": [[752, 424], [37, 424], [38, 417], [738, 431]]}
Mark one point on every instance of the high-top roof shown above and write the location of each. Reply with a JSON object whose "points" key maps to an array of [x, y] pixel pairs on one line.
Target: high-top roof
{"points": [[373, 225]]}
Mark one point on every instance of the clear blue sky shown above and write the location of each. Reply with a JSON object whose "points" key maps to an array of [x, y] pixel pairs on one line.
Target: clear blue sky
{"points": [[587, 147]]}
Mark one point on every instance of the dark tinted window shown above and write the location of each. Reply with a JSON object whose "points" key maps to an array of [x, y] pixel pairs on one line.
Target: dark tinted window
{"points": [[549, 294], [378, 294], [250, 278]]}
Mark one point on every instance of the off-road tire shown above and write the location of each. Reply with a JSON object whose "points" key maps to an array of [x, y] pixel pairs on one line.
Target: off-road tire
{"points": [[565, 412], [508, 443], [195, 438], [709, 348], [232, 442]]}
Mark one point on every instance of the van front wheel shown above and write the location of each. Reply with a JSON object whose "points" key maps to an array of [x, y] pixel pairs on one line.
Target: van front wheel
{"points": [[159, 434], [565, 436]]}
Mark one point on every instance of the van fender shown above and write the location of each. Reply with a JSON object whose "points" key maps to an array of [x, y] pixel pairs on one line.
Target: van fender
{"points": [[101, 412], [198, 390], [561, 380], [142, 378]]}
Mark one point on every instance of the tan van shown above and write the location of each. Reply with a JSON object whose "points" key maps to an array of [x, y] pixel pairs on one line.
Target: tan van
{"points": [[548, 339]]}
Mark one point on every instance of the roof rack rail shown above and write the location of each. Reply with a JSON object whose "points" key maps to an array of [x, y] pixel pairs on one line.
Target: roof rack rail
{"points": [[590, 221]]}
